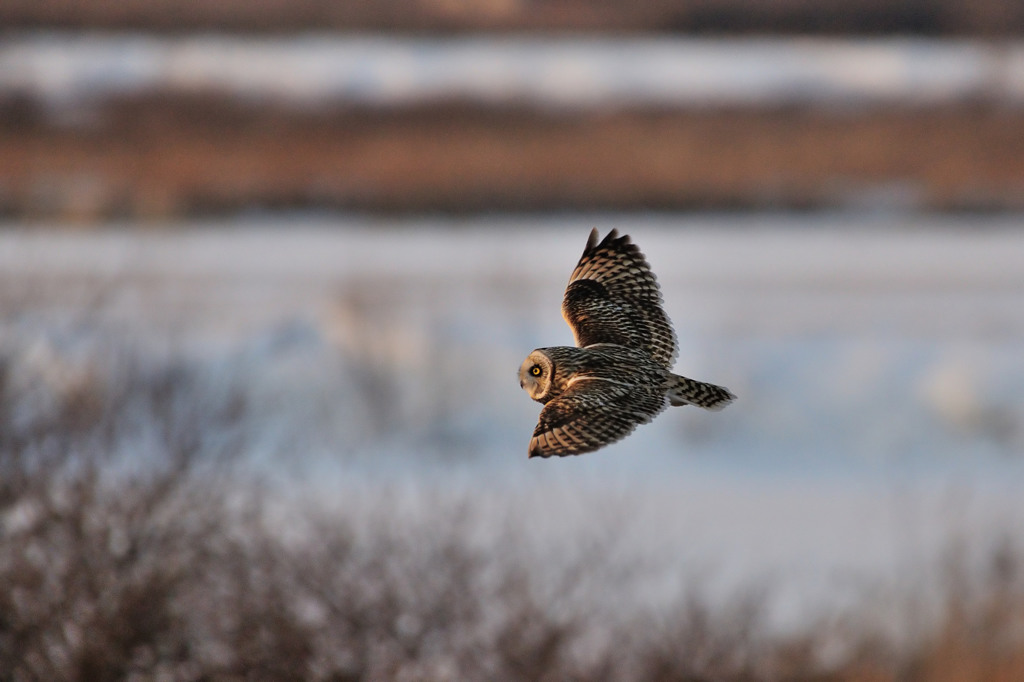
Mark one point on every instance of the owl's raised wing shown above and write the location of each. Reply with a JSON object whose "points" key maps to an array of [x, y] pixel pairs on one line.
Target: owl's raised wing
{"points": [[592, 413], [613, 297]]}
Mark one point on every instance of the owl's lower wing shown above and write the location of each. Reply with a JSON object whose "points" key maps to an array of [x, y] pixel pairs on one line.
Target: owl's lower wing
{"points": [[590, 415], [613, 297]]}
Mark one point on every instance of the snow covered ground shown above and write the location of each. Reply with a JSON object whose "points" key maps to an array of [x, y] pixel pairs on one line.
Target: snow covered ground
{"points": [[559, 72], [877, 363]]}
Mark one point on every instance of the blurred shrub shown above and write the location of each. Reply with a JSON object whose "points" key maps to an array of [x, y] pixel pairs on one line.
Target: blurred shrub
{"points": [[182, 566]]}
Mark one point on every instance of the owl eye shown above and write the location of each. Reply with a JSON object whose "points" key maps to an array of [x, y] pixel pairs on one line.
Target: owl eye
{"points": [[536, 370]]}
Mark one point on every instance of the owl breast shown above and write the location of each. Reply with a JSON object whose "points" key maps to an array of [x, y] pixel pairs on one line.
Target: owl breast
{"points": [[548, 372]]}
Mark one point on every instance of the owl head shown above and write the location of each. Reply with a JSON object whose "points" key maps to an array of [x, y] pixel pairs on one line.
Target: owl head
{"points": [[535, 375]]}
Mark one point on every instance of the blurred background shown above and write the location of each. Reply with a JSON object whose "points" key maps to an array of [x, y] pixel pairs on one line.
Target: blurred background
{"points": [[268, 271]]}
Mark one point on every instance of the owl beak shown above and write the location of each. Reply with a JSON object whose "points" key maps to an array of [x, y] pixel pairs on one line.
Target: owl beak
{"points": [[521, 384]]}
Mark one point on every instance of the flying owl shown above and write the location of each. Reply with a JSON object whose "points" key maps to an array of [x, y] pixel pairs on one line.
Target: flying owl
{"points": [[619, 374]]}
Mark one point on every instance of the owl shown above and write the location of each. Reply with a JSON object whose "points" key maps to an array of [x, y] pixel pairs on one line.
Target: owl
{"points": [[619, 374]]}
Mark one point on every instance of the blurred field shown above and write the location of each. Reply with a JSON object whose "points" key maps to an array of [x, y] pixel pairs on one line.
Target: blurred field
{"points": [[156, 157], [188, 567], [143, 127], [259, 420], [183, 573], [295, 449]]}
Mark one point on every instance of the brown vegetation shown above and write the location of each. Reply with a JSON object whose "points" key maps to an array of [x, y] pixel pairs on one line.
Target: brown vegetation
{"points": [[174, 155], [178, 567], [930, 17]]}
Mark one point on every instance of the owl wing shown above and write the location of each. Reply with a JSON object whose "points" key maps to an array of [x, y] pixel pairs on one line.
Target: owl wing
{"points": [[613, 297], [591, 414]]}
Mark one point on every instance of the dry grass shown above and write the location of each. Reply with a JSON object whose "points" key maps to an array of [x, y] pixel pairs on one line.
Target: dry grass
{"points": [[183, 567], [170, 156]]}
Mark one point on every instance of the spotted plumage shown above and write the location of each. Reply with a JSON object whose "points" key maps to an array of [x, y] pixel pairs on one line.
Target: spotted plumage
{"points": [[619, 374]]}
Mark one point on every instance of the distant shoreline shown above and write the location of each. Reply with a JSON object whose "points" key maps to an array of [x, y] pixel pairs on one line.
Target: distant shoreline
{"points": [[164, 156]]}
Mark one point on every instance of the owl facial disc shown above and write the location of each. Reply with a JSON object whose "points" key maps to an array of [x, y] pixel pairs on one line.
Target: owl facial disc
{"points": [[535, 375]]}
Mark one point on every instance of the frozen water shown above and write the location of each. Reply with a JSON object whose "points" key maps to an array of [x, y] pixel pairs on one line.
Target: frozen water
{"points": [[849, 344]]}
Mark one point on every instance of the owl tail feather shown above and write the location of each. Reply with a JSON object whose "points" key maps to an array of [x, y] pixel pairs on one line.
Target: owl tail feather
{"points": [[685, 391]]}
